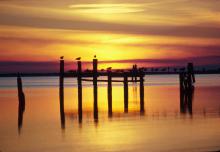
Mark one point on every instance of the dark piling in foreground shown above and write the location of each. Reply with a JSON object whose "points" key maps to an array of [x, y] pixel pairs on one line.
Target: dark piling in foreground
{"points": [[125, 93], [95, 88], [109, 93], [142, 92], [79, 80], [21, 100], [61, 92]]}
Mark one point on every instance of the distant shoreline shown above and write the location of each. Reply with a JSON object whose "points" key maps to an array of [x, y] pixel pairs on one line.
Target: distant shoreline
{"points": [[74, 74]]}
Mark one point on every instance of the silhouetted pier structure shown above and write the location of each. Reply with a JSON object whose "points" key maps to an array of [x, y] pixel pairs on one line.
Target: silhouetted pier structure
{"points": [[186, 79], [127, 76]]}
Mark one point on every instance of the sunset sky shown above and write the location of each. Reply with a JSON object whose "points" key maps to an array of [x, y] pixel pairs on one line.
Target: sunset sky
{"points": [[157, 31]]}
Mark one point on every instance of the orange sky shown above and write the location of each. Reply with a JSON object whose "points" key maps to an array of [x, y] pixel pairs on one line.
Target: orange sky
{"points": [[113, 30]]}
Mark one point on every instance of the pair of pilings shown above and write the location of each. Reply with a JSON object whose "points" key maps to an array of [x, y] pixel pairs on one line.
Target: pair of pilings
{"points": [[187, 79], [141, 76], [79, 80], [95, 89]]}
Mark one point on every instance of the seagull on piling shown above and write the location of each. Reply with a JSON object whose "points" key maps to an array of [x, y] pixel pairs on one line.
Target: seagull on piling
{"points": [[79, 58], [94, 56], [61, 57], [109, 68]]}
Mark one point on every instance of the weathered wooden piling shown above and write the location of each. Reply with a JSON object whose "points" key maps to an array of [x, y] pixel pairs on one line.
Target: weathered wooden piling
{"points": [[125, 93], [61, 91], [61, 78], [109, 93], [141, 92], [21, 105], [190, 69], [79, 81], [181, 81], [136, 70], [21, 96], [95, 88]]}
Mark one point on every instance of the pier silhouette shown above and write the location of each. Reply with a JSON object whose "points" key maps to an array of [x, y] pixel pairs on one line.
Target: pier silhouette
{"points": [[135, 75]]}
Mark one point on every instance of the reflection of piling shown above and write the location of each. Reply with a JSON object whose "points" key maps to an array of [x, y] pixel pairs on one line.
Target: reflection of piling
{"points": [[186, 100], [79, 80], [20, 117], [109, 93], [141, 92], [125, 93], [95, 88], [61, 90], [21, 99]]}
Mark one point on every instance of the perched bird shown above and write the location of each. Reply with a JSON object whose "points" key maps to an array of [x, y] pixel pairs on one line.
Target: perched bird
{"points": [[61, 57], [94, 56], [79, 58], [109, 68]]}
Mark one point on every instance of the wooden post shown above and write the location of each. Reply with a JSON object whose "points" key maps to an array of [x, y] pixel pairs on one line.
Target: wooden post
{"points": [[135, 68], [79, 80], [190, 70], [181, 81], [141, 92], [125, 93], [95, 88], [61, 90], [109, 93], [132, 73], [182, 96], [21, 99], [21, 96]]}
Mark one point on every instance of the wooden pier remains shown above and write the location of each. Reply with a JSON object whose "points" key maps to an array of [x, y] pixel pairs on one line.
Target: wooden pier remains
{"points": [[127, 77], [186, 80]]}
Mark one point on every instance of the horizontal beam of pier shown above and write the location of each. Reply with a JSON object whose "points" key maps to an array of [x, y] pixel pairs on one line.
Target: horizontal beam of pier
{"points": [[111, 80], [113, 74]]}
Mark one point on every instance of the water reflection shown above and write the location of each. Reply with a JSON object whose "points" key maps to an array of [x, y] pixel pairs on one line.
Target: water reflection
{"points": [[21, 109], [62, 114], [186, 101]]}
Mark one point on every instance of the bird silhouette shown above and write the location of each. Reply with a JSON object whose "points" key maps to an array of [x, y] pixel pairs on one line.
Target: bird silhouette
{"points": [[79, 58], [61, 57], [94, 56], [109, 69]]}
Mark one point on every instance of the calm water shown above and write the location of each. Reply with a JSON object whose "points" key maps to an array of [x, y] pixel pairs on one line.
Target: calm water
{"points": [[163, 127]]}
